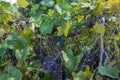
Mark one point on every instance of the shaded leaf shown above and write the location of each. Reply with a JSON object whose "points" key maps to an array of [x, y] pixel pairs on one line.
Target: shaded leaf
{"points": [[2, 51], [71, 61], [4, 77], [14, 73], [108, 71]]}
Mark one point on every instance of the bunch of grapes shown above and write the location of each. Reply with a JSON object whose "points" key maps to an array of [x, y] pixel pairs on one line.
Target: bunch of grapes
{"points": [[53, 67], [89, 59]]}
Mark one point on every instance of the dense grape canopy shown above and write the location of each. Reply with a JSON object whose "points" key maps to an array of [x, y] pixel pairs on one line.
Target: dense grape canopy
{"points": [[60, 40]]}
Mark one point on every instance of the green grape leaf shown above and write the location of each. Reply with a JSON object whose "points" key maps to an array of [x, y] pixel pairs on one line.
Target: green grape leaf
{"points": [[34, 8], [46, 27], [14, 73], [108, 71], [18, 55], [48, 3], [4, 77], [59, 10], [5, 15], [2, 51], [65, 5], [65, 29], [99, 28], [71, 61], [20, 42]]}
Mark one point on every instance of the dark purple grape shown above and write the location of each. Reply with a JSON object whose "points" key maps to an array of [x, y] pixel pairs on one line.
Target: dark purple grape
{"points": [[22, 26], [62, 41], [41, 74], [48, 63], [58, 72], [90, 22], [10, 23], [36, 49]]}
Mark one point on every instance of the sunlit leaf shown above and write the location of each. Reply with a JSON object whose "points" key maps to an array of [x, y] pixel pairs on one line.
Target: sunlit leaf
{"points": [[80, 18], [35, 8], [99, 28], [22, 3], [46, 27], [67, 28], [48, 3], [65, 5], [59, 10]]}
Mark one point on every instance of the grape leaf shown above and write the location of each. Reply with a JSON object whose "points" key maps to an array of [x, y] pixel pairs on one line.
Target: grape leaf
{"points": [[48, 3], [108, 71], [67, 28], [46, 27], [65, 5], [2, 51], [27, 34], [22, 3], [14, 73], [34, 8], [71, 61], [99, 28], [4, 77]]}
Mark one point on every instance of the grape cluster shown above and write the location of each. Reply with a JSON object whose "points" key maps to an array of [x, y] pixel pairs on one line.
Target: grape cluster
{"points": [[48, 63], [55, 69], [89, 59]]}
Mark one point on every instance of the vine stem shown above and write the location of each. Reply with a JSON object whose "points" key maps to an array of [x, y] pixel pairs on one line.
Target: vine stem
{"points": [[102, 50]]}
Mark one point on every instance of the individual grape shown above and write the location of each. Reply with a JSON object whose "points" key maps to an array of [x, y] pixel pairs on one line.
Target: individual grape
{"points": [[90, 22], [10, 23], [41, 74], [36, 49], [22, 26], [53, 41]]}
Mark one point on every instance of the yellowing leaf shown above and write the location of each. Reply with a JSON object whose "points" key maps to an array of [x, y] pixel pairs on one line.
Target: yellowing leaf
{"points": [[80, 18], [22, 3], [27, 34], [114, 5], [67, 28], [60, 31], [99, 28], [87, 72], [117, 38]]}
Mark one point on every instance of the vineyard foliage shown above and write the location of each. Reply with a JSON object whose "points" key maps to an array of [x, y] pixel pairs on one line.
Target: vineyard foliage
{"points": [[60, 40]]}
